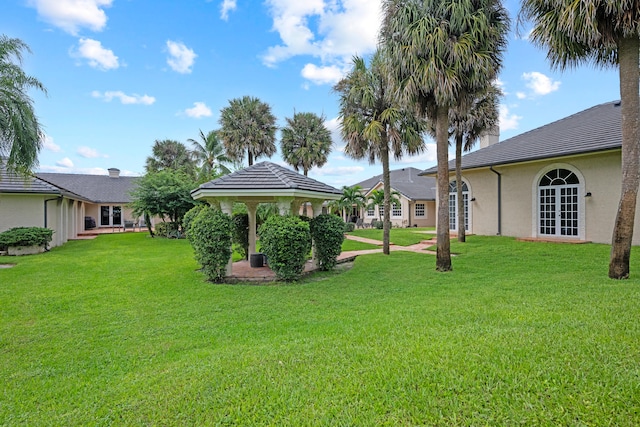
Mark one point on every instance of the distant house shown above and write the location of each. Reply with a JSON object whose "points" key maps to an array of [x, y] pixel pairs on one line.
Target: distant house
{"points": [[69, 204], [559, 181], [417, 206]]}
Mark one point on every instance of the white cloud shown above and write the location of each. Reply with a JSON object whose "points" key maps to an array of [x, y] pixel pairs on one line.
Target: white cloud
{"points": [[124, 98], [332, 31], [89, 153], [427, 157], [322, 75], [181, 58], [226, 7], [65, 163], [539, 83], [96, 55], [198, 111], [336, 171], [48, 144], [521, 95], [71, 15], [508, 121]]}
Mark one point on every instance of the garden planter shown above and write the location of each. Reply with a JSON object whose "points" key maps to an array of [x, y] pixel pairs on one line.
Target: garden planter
{"points": [[25, 250]]}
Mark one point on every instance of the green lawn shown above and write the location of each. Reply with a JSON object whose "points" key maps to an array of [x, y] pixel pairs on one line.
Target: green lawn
{"points": [[123, 330], [399, 236]]}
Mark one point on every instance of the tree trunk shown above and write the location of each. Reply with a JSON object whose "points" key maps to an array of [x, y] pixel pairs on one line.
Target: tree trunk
{"points": [[462, 237], [250, 157], [443, 253], [629, 57], [386, 183]]}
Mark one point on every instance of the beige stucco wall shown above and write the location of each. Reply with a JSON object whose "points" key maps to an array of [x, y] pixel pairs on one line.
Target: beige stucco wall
{"points": [[599, 174], [22, 210]]}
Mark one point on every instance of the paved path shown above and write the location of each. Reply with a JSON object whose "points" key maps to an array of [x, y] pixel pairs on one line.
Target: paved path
{"points": [[418, 248]]}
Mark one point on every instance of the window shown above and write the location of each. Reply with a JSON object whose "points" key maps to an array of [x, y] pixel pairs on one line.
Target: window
{"points": [[396, 209], [420, 210], [558, 204], [371, 212], [381, 211]]}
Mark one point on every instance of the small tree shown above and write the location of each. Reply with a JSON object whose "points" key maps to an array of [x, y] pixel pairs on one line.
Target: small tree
{"points": [[241, 233], [327, 233], [210, 236], [166, 194], [286, 241]]}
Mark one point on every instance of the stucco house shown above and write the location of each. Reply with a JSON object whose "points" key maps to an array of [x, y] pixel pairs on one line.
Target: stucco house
{"points": [[417, 196], [560, 181], [64, 202]]}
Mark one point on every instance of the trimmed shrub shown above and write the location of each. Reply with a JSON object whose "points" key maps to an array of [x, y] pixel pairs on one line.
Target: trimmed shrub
{"points": [[25, 236], [379, 225], [210, 236], [164, 229], [286, 241], [327, 233], [347, 227], [240, 235], [190, 216]]}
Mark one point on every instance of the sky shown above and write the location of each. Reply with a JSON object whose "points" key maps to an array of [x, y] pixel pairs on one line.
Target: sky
{"points": [[121, 74]]}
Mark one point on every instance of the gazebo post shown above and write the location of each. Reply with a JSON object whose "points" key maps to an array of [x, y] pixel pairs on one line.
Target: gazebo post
{"points": [[252, 208], [284, 205], [226, 206]]}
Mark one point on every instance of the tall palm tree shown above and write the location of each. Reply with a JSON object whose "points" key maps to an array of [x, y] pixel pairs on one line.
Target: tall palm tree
{"points": [[306, 141], [248, 127], [20, 132], [374, 124], [606, 34], [168, 154], [209, 152], [440, 50], [466, 125]]}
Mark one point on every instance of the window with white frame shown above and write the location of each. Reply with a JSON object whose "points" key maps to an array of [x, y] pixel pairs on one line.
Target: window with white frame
{"points": [[381, 211], [420, 210], [396, 209], [371, 212]]}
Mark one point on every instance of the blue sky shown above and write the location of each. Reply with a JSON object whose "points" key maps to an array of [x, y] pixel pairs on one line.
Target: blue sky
{"points": [[124, 73]]}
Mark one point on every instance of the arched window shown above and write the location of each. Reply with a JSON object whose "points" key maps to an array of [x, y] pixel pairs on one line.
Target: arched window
{"points": [[453, 205], [558, 204]]}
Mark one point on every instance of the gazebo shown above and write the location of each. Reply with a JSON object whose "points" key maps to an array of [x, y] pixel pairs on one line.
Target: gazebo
{"points": [[265, 182]]}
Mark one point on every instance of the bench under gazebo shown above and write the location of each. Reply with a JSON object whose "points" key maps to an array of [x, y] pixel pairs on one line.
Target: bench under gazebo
{"points": [[265, 182]]}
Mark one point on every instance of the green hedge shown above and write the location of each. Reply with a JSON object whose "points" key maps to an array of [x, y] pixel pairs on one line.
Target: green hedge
{"points": [[190, 216], [163, 229], [210, 236], [327, 233], [25, 236], [286, 241]]}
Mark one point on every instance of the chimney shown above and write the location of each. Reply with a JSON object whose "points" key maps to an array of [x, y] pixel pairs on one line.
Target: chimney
{"points": [[114, 172], [490, 137]]}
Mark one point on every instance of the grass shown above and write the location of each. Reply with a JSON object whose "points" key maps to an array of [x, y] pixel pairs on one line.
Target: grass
{"points": [[123, 330], [399, 236]]}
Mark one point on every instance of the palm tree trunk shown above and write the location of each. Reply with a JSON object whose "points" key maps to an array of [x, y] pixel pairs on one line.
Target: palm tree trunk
{"points": [[628, 54], [250, 157], [462, 237], [443, 253], [386, 183]]}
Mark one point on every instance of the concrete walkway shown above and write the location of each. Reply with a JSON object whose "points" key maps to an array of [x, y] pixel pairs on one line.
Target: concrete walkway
{"points": [[420, 248]]}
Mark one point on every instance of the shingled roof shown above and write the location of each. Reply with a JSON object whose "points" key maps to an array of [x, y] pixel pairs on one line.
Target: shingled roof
{"points": [[407, 182], [96, 188], [595, 129], [267, 176]]}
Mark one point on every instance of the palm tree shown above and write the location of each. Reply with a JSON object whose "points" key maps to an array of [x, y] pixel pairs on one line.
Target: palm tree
{"points": [[306, 141], [439, 51], [170, 155], [209, 152], [373, 123], [606, 34], [466, 126], [352, 197], [20, 132], [248, 127], [377, 198]]}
